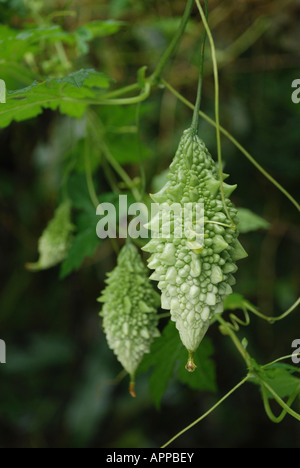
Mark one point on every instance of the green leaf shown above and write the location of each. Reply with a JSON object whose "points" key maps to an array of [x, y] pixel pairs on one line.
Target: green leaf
{"points": [[15, 44], [119, 124], [237, 302], [79, 194], [66, 94], [93, 30], [249, 221], [85, 241], [84, 245], [164, 354], [204, 377], [234, 301], [168, 358], [282, 379]]}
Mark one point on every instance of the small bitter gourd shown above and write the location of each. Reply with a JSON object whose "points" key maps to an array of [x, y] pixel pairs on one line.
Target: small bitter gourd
{"points": [[129, 310], [195, 279], [56, 239]]}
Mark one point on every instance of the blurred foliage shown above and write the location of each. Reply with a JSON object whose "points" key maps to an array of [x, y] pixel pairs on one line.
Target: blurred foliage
{"points": [[61, 386]]}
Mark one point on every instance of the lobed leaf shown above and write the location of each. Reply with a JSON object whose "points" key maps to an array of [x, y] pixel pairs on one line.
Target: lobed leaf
{"points": [[168, 357], [66, 94]]}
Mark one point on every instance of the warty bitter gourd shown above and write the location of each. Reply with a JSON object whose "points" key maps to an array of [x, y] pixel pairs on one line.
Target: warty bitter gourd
{"points": [[56, 239], [194, 279], [129, 310]]}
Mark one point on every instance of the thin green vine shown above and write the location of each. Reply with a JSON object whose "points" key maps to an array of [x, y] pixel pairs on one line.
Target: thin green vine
{"points": [[235, 142], [88, 173], [156, 75], [269, 412], [197, 421], [217, 110], [195, 123], [97, 128]]}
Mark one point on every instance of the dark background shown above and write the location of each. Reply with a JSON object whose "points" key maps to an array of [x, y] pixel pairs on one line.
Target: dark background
{"points": [[57, 388]]}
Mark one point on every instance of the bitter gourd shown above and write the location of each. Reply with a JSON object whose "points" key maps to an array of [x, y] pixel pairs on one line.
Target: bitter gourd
{"points": [[195, 279], [56, 239], [129, 310]]}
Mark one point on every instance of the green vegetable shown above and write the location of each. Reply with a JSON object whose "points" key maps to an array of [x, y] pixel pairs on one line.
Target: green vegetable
{"points": [[55, 241], [130, 310], [195, 279]]}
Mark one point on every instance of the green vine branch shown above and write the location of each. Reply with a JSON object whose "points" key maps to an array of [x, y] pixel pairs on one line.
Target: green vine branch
{"points": [[197, 421], [236, 143], [156, 75], [268, 410], [98, 131], [195, 123], [226, 329], [217, 110], [285, 406]]}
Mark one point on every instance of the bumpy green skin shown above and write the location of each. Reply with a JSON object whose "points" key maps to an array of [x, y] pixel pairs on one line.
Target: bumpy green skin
{"points": [[130, 309], [195, 281], [56, 239]]}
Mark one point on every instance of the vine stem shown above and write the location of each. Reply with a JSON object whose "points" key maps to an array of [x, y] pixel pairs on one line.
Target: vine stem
{"points": [[195, 122], [125, 101], [208, 412], [173, 45], [236, 341], [120, 171], [217, 109], [89, 176], [156, 75], [236, 143], [140, 153], [279, 400], [269, 412], [273, 319], [111, 160], [217, 222], [247, 307], [121, 91], [282, 358]]}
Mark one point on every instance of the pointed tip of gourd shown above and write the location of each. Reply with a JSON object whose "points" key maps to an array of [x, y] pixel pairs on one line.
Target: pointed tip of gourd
{"points": [[219, 244], [151, 246], [228, 189], [155, 197], [190, 365], [238, 252], [161, 196]]}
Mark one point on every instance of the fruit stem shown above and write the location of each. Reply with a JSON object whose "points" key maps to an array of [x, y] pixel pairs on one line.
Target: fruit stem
{"points": [[190, 365], [132, 387]]}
